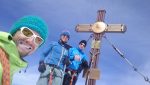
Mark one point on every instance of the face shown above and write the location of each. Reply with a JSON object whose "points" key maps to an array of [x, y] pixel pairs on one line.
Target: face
{"points": [[27, 41], [64, 38], [81, 46]]}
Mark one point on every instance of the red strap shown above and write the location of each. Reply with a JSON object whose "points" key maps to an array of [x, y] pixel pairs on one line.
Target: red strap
{"points": [[50, 78]]}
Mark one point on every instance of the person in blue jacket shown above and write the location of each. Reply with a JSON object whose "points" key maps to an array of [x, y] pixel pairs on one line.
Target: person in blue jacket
{"points": [[78, 61], [51, 62]]}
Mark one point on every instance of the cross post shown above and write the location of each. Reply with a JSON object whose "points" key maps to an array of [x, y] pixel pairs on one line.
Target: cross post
{"points": [[98, 29]]}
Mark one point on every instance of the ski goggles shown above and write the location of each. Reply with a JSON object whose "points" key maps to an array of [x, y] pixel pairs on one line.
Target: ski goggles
{"points": [[29, 33]]}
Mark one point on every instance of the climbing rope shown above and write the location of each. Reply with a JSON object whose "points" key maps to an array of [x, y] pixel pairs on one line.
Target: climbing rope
{"points": [[90, 37], [122, 55], [6, 67]]}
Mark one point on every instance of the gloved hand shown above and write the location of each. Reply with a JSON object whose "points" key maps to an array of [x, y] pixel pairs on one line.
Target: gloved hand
{"points": [[85, 64], [42, 67], [79, 69], [66, 61]]}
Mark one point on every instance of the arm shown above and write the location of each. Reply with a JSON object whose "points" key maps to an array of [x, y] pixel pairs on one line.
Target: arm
{"points": [[85, 62], [71, 53], [74, 54], [46, 52], [42, 66]]}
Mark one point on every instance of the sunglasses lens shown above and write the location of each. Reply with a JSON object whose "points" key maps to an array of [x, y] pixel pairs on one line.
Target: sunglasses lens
{"points": [[66, 35], [83, 44], [38, 40], [27, 32]]}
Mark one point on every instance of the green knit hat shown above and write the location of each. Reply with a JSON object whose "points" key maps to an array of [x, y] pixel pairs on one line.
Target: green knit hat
{"points": [[33, 22]]}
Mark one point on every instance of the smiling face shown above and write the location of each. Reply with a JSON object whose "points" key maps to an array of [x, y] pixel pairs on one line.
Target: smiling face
{"points": [[64, 38], [26, 44], [82, 46]]}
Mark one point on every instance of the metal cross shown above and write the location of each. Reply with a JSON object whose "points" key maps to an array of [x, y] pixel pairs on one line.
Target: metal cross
{"points": [[98, 29]]}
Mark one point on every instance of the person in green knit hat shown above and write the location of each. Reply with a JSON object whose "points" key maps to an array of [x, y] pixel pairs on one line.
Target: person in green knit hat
{"points": [[25, 37]]}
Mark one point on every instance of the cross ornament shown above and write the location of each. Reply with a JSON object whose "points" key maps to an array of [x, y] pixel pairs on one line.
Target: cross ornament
{"points": [[99, 28]]}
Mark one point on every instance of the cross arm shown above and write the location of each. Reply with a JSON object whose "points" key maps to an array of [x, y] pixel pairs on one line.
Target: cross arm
{"points": [[110, 28], [116, 28], [84, 28]]}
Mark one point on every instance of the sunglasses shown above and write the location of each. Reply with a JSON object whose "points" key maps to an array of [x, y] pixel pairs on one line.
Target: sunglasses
{"points": [[66, 35], [29, 33], [82, 44]]}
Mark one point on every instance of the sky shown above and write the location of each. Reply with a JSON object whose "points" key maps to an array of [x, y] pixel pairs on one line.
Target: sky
{"points": [[66, 14]]}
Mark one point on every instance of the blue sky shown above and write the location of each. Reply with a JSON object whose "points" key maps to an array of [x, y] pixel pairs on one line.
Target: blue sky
{"points": [[66, 14]]}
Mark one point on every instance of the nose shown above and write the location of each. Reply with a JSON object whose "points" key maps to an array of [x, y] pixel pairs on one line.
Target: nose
{"points": [[66, 37], [30, 41]]}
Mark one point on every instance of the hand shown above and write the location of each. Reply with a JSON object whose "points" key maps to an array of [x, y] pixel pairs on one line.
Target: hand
{"points": [[85, 64], [42, 67], [77, 58]]}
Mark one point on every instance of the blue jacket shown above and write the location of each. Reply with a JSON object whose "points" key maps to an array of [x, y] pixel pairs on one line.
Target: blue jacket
{"points": [[55, 54], [75, 64]]}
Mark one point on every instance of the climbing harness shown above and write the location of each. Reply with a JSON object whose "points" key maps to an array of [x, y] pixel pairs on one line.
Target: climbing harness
{"points": [[52, 70], [6, 67]]}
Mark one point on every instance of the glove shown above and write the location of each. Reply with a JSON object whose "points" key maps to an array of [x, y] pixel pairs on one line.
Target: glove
{"points": [[42, 67], [66, 61], [80, 69], [84, 64]]}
